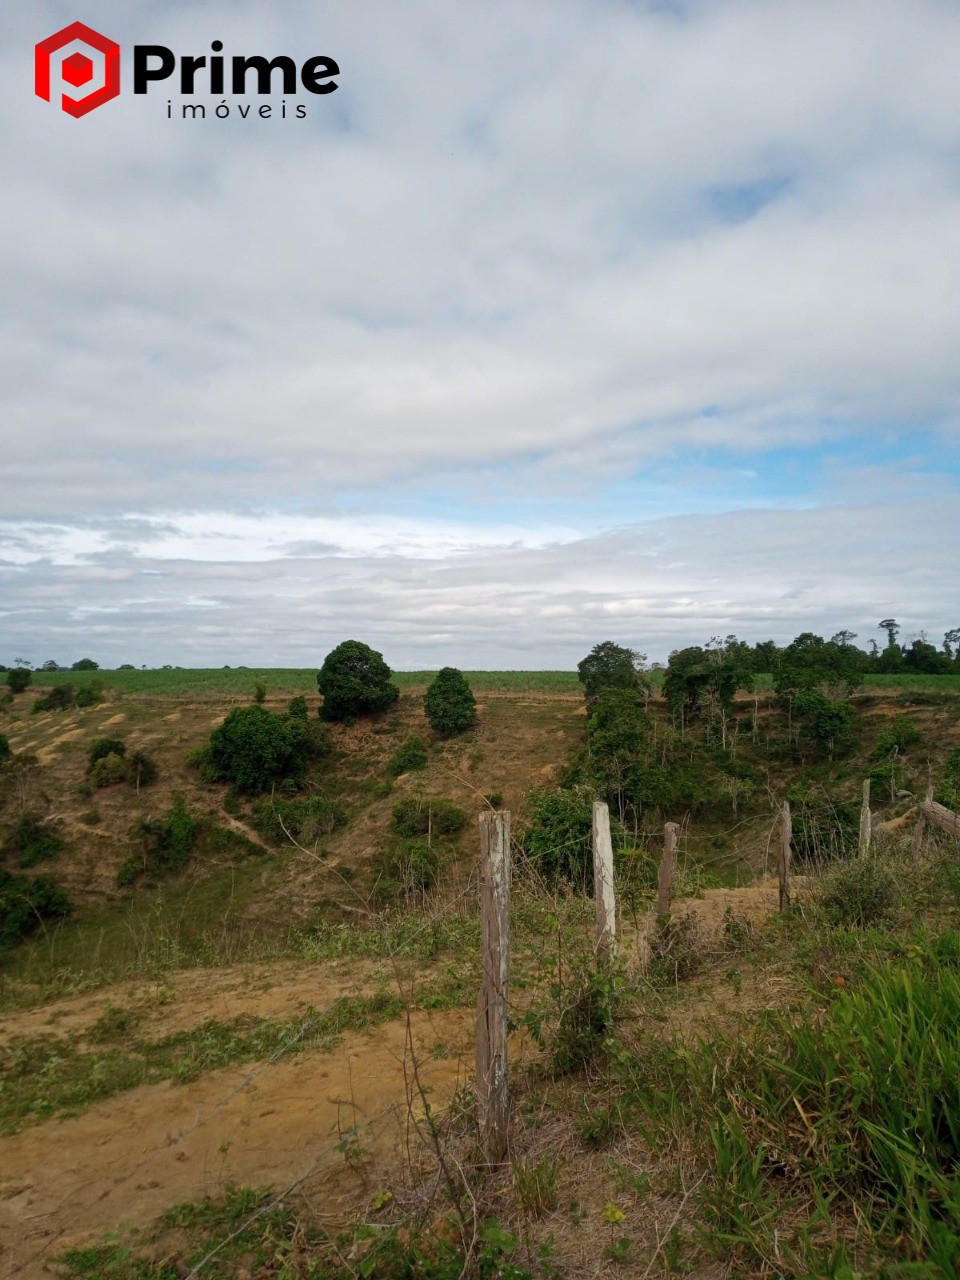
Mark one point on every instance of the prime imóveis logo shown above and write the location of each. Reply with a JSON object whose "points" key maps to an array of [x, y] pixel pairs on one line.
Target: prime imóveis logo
{"points": [[81, 67], [78, 58]]}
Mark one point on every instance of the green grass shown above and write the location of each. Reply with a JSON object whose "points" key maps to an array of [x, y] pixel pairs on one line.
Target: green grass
{"points": [[288, 681], [845, 1114]]}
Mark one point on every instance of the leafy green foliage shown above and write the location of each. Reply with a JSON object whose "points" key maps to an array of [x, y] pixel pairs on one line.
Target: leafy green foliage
{"points": [[25, 903], [812, 663], [89, 695], [31, 841], [142, 769], [828, 721], [406, 869], [307, 820], [858, 893], [410, 755], [85, 664], [558, 838], [60, 698], [697, 677], [18, 679], [102, 747], [253, 748], [896, 738], [297, 709], [167, 843], [948, 792], [611, 666], [354, 681], [416, 816], [5, 751], [449, 703], [109, 771]]}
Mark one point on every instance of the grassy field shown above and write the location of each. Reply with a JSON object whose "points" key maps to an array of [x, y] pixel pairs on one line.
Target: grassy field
{"points": [[180, 681], [240, 681]]}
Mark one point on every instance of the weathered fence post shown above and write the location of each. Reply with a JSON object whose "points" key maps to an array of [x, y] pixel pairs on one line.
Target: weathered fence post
{"points": [[863, 845], [783, 861], [668, 867], [938, 815], [603, 882], [493, 1097]]}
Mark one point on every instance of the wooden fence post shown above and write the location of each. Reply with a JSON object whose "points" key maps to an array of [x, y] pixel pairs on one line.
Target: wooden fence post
{"points": [[493, 1096], [603, 882], [783, 862], [863, 844], [668, 866]]}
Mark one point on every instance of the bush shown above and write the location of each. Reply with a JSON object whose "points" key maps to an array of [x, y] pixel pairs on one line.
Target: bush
{"points": [[59, 699], [859, 893], [417, 817], [559, 837], [611, 666], [18, 679], [307, 820], [31, 841], [408, 868], [253, 748], [85, 664], [25, 903], [5, 752], [449, 703], [167, 842], [824, 829], [109, 771], [105, 747], [896, 738], [89, 695], [297, 710], [142, 770], [354, 681], [410, 755]]}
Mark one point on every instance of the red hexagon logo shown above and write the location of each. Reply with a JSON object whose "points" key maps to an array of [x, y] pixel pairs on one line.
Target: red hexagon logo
{"points": [[78, 68]]}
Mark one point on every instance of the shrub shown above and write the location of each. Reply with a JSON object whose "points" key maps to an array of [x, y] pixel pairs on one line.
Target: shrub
{"points": [[859, 893], [89, 695], [253, 747], [417, 816], [307, 820], [259, 693], [18, 679], [167, 842], [407, 868], [823, 828], [85, 664], [410, 755], [25, 903], [354, 681], [449, 703], [142, 770], [5, 752], [31, 841], [559, 838], [59, 699], [575, 1023], [109, 771], [105, 747], [896, 738], [297, 710]]}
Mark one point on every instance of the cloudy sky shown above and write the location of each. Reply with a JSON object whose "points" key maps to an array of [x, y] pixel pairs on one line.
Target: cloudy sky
{"points": [[557, 322]]}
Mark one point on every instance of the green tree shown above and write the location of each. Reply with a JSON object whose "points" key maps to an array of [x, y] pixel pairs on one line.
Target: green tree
{"points": [[85, 664], [354, 681], [891, 660], [812, 663], [611, 666], [449, 703], [699, 679], [253, 748], [18, 679]]}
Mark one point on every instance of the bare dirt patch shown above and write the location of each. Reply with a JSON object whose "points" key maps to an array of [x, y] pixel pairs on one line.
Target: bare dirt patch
{"points": [[123, 1162]]}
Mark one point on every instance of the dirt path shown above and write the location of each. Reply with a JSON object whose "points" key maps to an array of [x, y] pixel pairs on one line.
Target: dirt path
{"points": [[123, 1162], [179, 1001]]}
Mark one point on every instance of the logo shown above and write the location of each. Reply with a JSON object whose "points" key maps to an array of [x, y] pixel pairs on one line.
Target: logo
{"points": [[81, 58]]}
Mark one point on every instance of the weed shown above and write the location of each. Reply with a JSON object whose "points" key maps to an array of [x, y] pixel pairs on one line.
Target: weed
{"points": [[535, 1185], [859, 893]]}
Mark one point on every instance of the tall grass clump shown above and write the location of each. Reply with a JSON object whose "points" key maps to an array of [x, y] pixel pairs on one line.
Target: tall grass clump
{"points": [[850, 1113]]}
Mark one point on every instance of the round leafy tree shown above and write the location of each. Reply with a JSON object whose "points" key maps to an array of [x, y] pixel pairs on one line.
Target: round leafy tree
{"points": [[611, 666], [449, 703], [18, 679], [354, 681], [253, 747]]}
